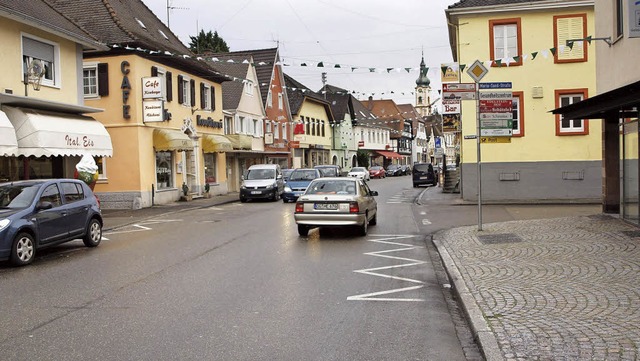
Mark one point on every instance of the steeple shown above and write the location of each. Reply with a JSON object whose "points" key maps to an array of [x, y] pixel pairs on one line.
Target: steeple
{"points": [[423, 79]]}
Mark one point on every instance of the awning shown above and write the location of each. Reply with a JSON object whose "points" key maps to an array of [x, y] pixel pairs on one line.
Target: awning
{"points": [[42, 133], [388, 154], [168, 139], [240, 141], [8, 141], [214, 143]]}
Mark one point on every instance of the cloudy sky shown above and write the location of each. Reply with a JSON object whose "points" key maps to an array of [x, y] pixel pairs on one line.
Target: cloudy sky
{"points": [[361, 34]]}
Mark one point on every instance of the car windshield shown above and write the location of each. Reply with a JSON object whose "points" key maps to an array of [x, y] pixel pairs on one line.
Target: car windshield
{"points": [[392, 166], [306, 174], [358, 169], [14, 196], [261, 174], [375, 168], [332, 187], [328, 171]]}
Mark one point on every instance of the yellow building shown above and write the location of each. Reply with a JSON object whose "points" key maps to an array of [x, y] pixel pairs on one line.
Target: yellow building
{"points": [[547, 158], [44, 129], [163, 108]]}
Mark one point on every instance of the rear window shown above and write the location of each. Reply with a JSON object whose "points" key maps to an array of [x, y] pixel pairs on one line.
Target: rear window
{"points": [[329, 171], [332, 187], [422, 167]]}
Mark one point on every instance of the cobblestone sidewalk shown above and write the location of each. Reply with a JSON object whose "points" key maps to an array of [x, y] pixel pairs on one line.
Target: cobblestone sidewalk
{"points": [[551, 289]]}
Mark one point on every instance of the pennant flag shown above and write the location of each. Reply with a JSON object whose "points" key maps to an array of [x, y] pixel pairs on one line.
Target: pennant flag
{"points": [[444, 69], [545, 53], [352, 69], [245, 61], [389, 70], [570, 45], [525, 57], [553, 51], [303, 64], [337, 66], [499, 62], [372, 70], [320, 65], [533, 55], [589, 39], [517, 59], [462, 66], [488, 63], [408, 70]]}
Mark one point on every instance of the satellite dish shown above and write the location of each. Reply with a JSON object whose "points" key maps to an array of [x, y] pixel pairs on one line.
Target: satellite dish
{"points": [[35, 73]]}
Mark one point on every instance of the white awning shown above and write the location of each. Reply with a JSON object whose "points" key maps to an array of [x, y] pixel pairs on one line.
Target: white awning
{"points": [[8, 141], [42, 133]]}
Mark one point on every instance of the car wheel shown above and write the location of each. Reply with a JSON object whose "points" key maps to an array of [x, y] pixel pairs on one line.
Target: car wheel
{"points": [[364, 227], [374, 220], [303, 230], [276, 196], [94, 233], [284, 200], [243, 199], [23, 250], [415, 185]]}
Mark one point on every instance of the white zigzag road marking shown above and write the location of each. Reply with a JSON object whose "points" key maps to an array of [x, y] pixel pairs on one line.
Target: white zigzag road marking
{"points": [[383, 254]]}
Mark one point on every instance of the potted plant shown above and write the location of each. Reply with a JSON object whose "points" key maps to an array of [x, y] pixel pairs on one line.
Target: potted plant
{"points": [[185, 193]]}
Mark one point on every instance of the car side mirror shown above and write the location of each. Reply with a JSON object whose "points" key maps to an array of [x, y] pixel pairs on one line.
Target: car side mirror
{"points": [[279, 176], [44, 205], [373, 193]]}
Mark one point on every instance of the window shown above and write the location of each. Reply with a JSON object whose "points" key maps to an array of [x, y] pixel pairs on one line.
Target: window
{"points": [[90, 81], [322, 128], [240, 128], [619, 14], [269, 99], [45, 52], [566, 27], [248, 87], [505, 40], [517, 108], [268, 126], [164, 170], [101, 162], [51, 194], [570, 126], [210, 167], [184, 90], [313, 126], [280, 101], [228, 125], [285, 131], [308, 126], [276, 130], [205, 96], [72, 192], [256, 131]]}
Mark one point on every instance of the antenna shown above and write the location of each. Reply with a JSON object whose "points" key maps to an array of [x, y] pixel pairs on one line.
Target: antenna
{"points": [[169, 8]]}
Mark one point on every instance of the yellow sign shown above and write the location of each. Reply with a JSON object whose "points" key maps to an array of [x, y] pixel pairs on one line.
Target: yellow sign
{"points": [[495, 140], [449, 73]]}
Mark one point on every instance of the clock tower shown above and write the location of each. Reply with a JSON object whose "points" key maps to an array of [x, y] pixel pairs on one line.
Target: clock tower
{"points": [[423, 91]]}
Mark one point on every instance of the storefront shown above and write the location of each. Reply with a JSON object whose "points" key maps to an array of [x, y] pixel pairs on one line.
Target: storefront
{"points": [[42, 139]]}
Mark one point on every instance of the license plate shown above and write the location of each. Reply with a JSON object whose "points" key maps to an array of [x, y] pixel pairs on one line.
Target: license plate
{"points": [[256, 192], [424, 177], [325, 206]]}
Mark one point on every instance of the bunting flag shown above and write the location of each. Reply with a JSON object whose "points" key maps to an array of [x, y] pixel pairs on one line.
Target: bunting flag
{"points": [[534, 54]]}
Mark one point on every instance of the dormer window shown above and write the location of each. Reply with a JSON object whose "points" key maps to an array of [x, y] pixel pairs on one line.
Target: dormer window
{"points": [[140, 23]]}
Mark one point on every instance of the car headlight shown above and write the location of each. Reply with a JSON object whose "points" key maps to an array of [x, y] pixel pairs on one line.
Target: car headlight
{"points": [[4, 223], [271, 186], [287, 189]]}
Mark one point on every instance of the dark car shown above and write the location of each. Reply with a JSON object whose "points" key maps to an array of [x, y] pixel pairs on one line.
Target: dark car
{"points": [[36, 214], [406, 169], [424, 173], [298, 182], [329, 170], [393, 170], [377, 171]]}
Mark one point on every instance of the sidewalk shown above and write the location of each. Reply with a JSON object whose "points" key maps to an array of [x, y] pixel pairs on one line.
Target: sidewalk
{"points": [[549, 289]]}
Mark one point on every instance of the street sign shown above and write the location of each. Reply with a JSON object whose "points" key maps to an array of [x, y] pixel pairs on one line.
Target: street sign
{"points": [[500, 132], [451, 108], [495, 140], [496, 95], [438, 142], [458, 91], [470, 136], [496, 106], [496, 123], [477, 71], [496, 85], [487, 116]]}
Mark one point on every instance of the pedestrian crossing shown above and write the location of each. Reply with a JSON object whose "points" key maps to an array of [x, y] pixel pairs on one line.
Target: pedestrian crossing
{"points": [[407, 195]]}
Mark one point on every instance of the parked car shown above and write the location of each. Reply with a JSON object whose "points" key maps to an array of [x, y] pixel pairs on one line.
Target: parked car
{"points": [[393, 170], [377, 171], [424, 173], [329, 170], [262, 181], [36, 214], [406, 169], [360, 173], [345, 201], [298, 182]]}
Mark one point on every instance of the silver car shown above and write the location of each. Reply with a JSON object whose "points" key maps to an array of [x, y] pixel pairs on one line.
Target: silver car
{"points": [[336, 202]]}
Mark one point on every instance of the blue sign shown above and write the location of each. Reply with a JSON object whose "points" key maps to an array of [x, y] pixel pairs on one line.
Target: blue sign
{"points": [[438, 143], [496, 85]]}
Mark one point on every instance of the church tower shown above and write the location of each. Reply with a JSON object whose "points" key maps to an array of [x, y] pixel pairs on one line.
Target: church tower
{"points": [[423, 91]]}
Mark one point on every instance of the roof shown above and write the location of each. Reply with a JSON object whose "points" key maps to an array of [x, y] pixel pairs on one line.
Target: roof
{"points": [[387, 111], [410, 113], [231, 90], [264, 60], [298, 92], [44, 15], [617, 103], [480, 3]]}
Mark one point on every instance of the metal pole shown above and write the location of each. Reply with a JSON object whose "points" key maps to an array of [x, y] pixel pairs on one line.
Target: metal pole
{"points": [[479, 170]]}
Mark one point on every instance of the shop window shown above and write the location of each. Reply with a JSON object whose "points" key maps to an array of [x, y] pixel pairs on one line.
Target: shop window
{"points": [[210, 167], [47, 53], [570, 126], [164, 170], [102, 167], [505, 40]]}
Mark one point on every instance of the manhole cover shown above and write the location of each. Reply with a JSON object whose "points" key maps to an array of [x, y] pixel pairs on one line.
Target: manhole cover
{"points": [[632, 234], [499, 238]]}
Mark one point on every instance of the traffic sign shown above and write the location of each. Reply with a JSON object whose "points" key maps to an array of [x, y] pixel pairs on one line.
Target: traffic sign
{"points": [[488, 116], [500, 132], [458, 91], [495, 140], [496, 85], [496, 106], [477, 71]]}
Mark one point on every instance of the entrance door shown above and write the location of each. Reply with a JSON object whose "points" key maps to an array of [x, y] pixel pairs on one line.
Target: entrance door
{"points": [[191, 171]]}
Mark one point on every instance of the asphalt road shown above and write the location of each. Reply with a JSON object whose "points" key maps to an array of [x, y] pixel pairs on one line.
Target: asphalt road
{"points": [[236, 282]]}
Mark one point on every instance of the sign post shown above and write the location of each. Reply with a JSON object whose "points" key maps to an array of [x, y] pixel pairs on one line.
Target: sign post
{"points": [[477, 71]]}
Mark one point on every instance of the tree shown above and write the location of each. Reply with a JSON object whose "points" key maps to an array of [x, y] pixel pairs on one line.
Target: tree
{"points": [[362, 157], [208, 42]]}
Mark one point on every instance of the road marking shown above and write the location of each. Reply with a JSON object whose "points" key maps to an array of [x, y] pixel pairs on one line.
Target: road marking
{"points": [[426, 221], [128, 229], [214, 208], [423, 213], [373, 271]]}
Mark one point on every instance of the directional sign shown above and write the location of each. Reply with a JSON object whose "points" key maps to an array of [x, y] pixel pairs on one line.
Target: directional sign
{"points": [[496, 106], [496, 123], [458, 91], [496, 95], [500, 132], [487, 116], [496, 85], [495, 140]]}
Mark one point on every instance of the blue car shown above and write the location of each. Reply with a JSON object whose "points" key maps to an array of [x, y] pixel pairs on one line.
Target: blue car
{"points": [[298, 182], [35, 214]]}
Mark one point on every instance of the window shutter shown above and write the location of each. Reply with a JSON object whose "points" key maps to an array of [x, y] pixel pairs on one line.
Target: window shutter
{"points": [[103, 79], [261, 128], [202, 97], [154, 71], [571, 28], [180, 90], [169, 87], [236, 120], [213, 98], [192, 87]]}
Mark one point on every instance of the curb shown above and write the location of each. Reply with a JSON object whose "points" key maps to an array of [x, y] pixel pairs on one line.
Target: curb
{"points": [[479, 327]]}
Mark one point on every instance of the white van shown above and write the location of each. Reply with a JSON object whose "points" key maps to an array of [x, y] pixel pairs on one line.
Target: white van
{"points": [[262, 181]]}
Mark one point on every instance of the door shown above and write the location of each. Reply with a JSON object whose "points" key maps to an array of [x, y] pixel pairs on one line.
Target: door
{"points": [[51, 223], [76, 206], [191, 171]]}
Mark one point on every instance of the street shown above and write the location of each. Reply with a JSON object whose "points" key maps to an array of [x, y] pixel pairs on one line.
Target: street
{"points": [[236, 282]]}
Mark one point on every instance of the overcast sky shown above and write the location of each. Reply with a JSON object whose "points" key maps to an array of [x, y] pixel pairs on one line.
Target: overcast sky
{"points": [[364, 34]]}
